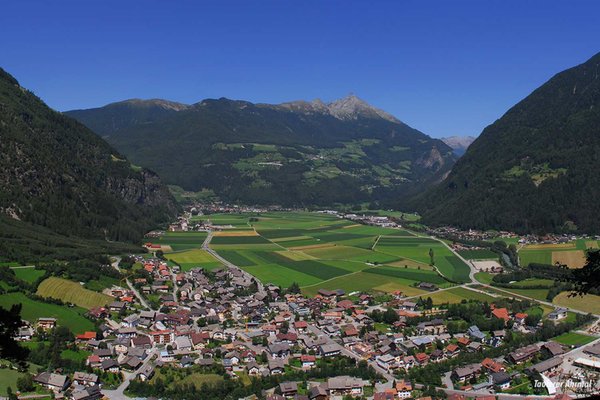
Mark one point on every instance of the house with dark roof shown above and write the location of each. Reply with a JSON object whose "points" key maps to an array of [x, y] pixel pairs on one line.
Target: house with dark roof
{"points": [[500, 379], [546, 365], [523, 354], [288, 389], [54, 382], [462, 374]]}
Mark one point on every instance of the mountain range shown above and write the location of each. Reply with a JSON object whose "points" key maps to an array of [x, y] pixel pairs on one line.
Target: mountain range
{"points": [[295, 154], [534, 169], [62, 184], [459, 144]]}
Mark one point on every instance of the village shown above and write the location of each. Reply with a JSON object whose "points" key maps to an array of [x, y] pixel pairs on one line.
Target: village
{"points": [[219, 320]]}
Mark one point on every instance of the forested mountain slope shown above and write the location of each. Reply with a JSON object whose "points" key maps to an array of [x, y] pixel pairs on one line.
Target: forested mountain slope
{"points": [[534, 169], [57, 174]]}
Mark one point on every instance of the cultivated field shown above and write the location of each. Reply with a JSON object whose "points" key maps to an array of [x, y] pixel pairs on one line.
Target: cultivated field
{"points": [[323, 251], [457, 295], [72, 292], [588, 303], [571, 254], [479, 254], [179, 241], [572, 258], [193, 258], [71, 317]]}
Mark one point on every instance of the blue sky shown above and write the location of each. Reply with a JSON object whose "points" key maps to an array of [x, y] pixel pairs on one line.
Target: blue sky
{"points": [[444, 67]]}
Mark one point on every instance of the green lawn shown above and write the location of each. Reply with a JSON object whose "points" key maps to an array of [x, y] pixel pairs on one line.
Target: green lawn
{"points": [[80, 355], [457, 295], [71, 317], [484, 277], [29, 275], [538, 294], [574, 339], [189, 259], [8, 377]]}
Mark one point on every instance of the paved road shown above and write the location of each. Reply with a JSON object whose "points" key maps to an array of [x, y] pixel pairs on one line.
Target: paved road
{"points": [[138, 296], [205, 246], [115, 265]]}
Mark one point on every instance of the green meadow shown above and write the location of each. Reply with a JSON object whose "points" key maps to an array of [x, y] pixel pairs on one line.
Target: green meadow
{"points": [[574, 339], [28, 274], [478, 254], [194, 258], [71, 317]]}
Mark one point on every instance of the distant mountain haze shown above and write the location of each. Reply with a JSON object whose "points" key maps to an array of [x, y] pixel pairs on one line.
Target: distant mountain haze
{"points": [[534, 169], [294, 153], [458, 143]]}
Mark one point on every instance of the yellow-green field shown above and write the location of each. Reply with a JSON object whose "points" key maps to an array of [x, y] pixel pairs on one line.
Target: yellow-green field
{"points": [[571, 254], [572, 258], [588, 303], [194, 258], [457, 295], [72, 292]]}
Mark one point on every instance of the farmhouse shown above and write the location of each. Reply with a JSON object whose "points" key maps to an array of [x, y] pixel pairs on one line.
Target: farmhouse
{"points": [[54, 382], [500, 379], [467, 372], [46, 323], [344, 385], [85, 379]]}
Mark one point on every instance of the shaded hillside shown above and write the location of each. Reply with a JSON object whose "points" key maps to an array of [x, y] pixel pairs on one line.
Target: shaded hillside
{"points": [[534, 169], [298, 153], [56, 173]]}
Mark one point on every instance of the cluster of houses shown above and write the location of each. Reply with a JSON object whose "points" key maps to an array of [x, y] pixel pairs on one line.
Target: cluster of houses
{"points": [[218, 318]]}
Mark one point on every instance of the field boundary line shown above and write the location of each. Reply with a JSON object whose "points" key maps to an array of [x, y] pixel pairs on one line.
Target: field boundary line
{"points": [[376, 241]]}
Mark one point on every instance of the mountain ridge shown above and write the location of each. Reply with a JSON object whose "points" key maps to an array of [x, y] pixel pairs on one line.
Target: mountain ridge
{"points": [[295, 153]]}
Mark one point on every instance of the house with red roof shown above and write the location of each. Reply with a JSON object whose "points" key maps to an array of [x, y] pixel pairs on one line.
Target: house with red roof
{"points": [[520, 318], [86, 336], [492, 365], [501, 313]]}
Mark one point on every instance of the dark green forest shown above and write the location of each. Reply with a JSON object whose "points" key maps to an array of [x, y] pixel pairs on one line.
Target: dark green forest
{"points": [[63, 187], [533, 170]]}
